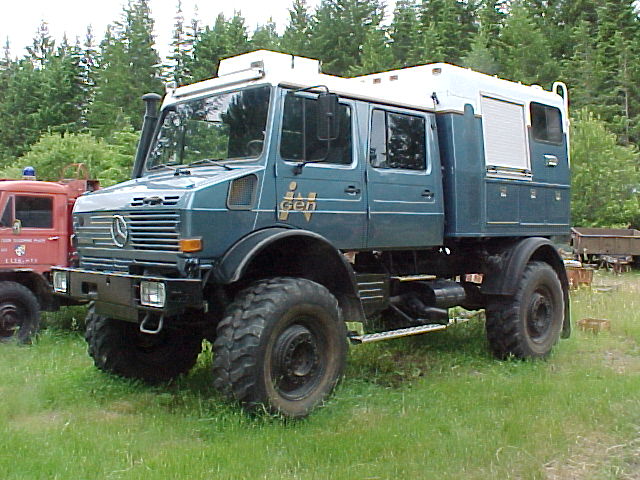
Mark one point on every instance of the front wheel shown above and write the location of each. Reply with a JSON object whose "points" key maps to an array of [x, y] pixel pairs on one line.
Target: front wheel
{"points": [[19, 312], [281, 345], [120, 348], [527, 324]]}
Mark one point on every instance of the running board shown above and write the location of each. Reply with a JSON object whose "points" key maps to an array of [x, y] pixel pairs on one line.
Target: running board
{"points": [[402, 332]]}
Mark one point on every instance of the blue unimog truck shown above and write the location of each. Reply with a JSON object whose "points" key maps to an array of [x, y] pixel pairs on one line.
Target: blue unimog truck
{"points": [[281, 213]]}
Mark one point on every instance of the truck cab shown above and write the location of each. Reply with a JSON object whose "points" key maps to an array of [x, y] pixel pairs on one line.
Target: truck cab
{"points": [[278, 211], [35, 234], [35, 226]]}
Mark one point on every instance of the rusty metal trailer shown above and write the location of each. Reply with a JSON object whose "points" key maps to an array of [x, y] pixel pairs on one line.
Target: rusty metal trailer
{"points": [[605, 241]]}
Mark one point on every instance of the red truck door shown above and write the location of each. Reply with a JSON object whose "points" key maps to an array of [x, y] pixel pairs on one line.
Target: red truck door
{"points": [[33, 231]]}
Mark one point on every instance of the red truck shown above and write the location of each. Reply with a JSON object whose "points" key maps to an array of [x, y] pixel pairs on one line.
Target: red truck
{"points": [[35, 234]]}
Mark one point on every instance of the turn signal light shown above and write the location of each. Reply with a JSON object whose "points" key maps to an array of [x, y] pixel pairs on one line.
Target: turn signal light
{"points": [[188, 245]]}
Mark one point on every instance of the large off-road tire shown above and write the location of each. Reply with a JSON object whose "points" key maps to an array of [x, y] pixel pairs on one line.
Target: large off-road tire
{"points": [[527, 324], [120, 348], [19, 312], [281, 346]]}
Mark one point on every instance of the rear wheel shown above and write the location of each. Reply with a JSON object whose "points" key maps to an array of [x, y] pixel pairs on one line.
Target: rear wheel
{"points": [[19, 312], [281, 345], [527, 324], [120, 348]]}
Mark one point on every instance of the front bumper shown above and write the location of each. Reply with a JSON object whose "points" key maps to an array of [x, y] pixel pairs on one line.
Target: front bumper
{"points": [[117, 295]]}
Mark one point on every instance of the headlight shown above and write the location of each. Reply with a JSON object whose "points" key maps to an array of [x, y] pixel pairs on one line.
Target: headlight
{"points": [[60, 282], [152, 294]]}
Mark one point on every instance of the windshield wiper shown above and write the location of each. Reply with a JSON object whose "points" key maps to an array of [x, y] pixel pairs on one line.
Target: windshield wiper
{"points": [[162, 165], [210, 161]]}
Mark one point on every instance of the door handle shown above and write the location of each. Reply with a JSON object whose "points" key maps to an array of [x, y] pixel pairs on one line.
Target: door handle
{"points": [[53, 238], [428, 194], [551, 160], [352, 190]]}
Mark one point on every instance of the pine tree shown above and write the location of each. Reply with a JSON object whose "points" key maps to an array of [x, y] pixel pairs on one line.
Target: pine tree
{"points": [[129, 68], [61, 89], [236, 37], [404, 32], [175, 70], [581, 72], [376, 54], [208, 49], [88, 65], [111, 79], [266, 37], [617, 35], [446, 29], [42, 46], [339, 30], [525, 54], [6, 61], [491, 18], [480, 56], [40, 92], [296, 39]]}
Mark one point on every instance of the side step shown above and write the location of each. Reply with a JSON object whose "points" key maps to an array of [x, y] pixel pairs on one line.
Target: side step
{"points": [[404, 332]]}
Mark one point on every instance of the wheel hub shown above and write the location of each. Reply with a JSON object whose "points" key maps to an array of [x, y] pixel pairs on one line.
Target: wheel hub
{"points": [[296, 361], [539, 318], [9, 319]]}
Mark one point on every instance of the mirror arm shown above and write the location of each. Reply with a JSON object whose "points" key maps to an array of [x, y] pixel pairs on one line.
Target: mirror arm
{"points": [[308, 89]]}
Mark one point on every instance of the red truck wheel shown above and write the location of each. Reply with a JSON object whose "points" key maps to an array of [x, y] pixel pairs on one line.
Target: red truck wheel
{"points": [[19, 312]]}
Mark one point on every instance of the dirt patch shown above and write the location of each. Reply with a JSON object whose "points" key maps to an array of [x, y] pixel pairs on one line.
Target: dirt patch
{"points": [[595, 457], [621, 362], [40, 422], [122, 407]]}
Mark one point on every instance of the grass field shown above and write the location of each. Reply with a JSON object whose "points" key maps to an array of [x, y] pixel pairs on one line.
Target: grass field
{"points": [[431, 407]]}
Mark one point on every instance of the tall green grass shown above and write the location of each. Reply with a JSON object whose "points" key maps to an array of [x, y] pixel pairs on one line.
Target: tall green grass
{"points": [[431, 407]]}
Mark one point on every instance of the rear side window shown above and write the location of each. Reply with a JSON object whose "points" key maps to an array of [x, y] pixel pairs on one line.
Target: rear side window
{"points": [[397, 141], [34, 212], [546, 123], [300, 134]]}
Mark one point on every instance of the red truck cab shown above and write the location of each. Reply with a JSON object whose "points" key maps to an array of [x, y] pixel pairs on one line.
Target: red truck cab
{"points": [[35, 234]]}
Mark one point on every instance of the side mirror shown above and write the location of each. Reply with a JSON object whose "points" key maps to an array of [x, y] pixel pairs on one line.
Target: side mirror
{"points": [[328, 126]]}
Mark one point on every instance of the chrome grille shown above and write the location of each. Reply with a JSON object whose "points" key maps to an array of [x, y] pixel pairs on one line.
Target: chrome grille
{"points": [[148, 230], [154, 230]]}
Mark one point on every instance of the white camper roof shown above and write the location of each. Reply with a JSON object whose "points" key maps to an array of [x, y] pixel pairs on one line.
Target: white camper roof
{"points": [[412, 87]]}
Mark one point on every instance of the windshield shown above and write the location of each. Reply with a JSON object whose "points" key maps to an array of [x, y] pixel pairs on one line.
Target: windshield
{"points": [[228, 126]]}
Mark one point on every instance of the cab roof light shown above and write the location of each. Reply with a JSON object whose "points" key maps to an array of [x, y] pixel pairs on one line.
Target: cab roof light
{"points": [[190, 245]]}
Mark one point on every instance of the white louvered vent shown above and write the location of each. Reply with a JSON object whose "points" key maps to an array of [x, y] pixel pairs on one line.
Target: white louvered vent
{"points": [[505, 136]]}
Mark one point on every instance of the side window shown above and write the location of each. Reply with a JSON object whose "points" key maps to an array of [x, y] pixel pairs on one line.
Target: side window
{"points": [[7, 215], [397, 141], [546, 123], [300, 141], [34, 212]]}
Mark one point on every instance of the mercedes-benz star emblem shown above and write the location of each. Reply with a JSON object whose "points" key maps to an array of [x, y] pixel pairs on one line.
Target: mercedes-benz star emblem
{"points": [[119, 231]]}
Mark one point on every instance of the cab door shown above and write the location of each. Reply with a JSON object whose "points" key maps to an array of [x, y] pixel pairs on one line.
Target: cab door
{"points": [[33, 231], [325, 195], [403, 180]]}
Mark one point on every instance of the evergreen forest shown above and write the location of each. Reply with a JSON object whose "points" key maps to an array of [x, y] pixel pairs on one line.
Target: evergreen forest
{"points": [[78, 100]]}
